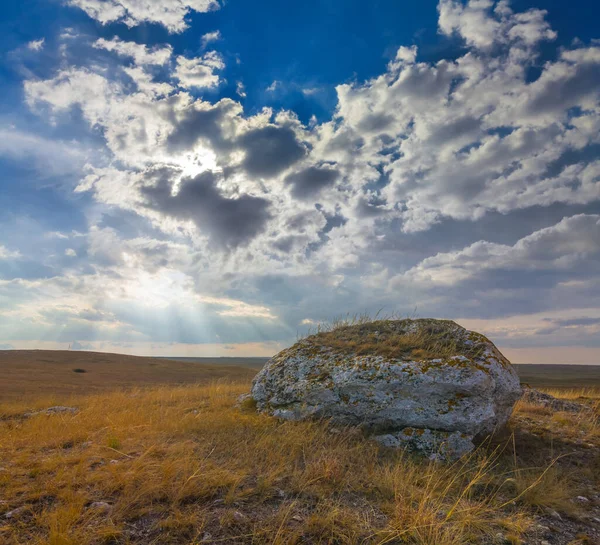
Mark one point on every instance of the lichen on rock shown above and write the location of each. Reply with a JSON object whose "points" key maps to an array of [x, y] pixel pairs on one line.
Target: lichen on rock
{"points": [[392, 376]]}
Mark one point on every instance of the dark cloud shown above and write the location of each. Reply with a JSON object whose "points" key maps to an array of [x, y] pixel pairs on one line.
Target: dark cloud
{"points": [[464, 126], [376, 122], [371, 208], [203, 121], [289, 243], [576, 322], [270, 150], [310, 181], [229, 222]]}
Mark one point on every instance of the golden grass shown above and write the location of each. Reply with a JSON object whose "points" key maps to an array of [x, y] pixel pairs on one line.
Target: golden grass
{"points": [[176, 464]]}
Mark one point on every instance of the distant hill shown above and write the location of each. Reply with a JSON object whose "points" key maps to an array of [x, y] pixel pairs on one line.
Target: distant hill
{"points": [[559, 375], [254, 363], [29, 373]]}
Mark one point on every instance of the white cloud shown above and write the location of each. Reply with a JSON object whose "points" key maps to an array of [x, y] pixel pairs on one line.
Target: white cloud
{"points": [[235, 308], [199, 72], [169, 13], [69, 252], [574, 243], [211, 37], [483, 23], [274, 86], [240, 89], [140, 53], [5, 253], [37, 45]]}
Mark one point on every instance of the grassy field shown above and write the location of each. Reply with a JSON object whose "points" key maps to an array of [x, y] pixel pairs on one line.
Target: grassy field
{"points": [[44, 373], [560, 376], [181, 464]]}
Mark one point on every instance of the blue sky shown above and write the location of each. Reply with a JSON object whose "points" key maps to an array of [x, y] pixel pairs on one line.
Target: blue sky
{"points": [[193, 177]]}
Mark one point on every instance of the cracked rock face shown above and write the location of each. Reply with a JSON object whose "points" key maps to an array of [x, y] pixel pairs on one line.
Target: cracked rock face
{"points": [[417, 383]]}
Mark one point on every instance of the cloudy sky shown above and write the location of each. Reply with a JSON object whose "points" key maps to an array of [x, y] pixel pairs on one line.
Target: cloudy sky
{"points": [[198, 177]]}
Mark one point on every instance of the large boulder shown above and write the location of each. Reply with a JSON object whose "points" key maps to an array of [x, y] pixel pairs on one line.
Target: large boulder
{"points": [[427, 384]]}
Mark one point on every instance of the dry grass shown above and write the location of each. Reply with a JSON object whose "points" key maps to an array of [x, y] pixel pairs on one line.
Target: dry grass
{"points": [[179, 464], [36, 374], [392, 338]]}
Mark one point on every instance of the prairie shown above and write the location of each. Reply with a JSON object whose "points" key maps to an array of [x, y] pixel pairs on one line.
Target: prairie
{"points": [[172, 463]]}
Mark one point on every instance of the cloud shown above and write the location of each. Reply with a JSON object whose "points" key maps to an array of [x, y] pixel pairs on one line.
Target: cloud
{"points": [[310, 181], [169, 13], [577, 322], [274, 86], [240, 89], [141, 54], [270, 150], [37, 45], [69, 252], [229, 221], [199, 72], [572, 243], [50, 157], [5, 253], [211, 37], [76, 345], [483, 23]]}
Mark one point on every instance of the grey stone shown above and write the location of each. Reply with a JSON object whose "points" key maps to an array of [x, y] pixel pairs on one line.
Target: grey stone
{"points": [[530, 395], [469, 394], [52, 410], [101, 506], [437, 445], [15, 512]]}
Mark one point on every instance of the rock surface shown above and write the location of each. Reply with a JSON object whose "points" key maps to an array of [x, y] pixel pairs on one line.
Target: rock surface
{"points": [[449, 386], [52, 410]]}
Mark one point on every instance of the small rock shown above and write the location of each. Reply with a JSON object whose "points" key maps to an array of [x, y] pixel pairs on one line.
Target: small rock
{"points": [[597, 520], [297, 518], [15, 512], [582, 499], [554, 514], [281, 493], [101, 506], [240, 517], [536, 397], [113, 462], [58, 410], [438, 445], [52, 410], [545, 543], [206, 537]]}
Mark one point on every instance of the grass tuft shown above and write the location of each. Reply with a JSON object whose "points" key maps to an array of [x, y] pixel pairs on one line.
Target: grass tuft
{"points": [[394, 338]]}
